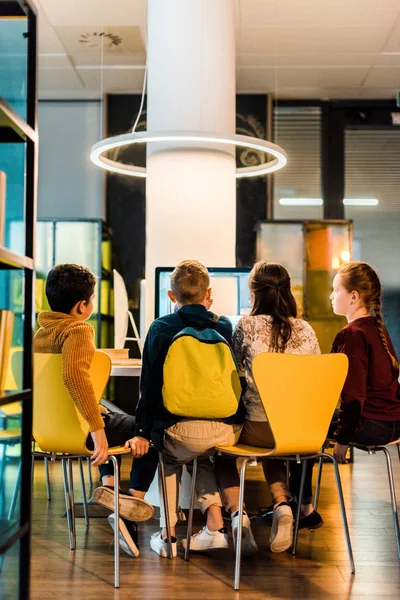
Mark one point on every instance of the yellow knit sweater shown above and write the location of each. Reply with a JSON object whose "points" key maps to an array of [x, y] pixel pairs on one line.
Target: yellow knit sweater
{"points": [[60, 333]]}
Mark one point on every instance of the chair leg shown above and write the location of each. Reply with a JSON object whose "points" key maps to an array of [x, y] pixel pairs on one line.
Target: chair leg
{"points": [[116, 513], [238, 556], [299, 501], [342, 508], [190, 519], [17, 484], [72, 499], [48, 487], [165, 502], [393, 498], [318, 484], [2, 473], [398, 449], [32, 472], [84, 499], [72, 541], [89, 469]]}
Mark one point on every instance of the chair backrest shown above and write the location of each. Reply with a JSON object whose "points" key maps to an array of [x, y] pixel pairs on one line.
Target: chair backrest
{"points": [[299, 394], [58, 426]]}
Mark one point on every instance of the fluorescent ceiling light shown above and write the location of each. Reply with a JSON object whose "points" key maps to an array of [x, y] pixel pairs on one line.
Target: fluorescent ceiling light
{"points": [[360, 201], [300, 201]]}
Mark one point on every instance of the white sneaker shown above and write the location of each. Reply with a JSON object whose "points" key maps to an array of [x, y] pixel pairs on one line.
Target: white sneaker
{"points": [[207, 540], [161, 547], [281, 537], [249, 546]]}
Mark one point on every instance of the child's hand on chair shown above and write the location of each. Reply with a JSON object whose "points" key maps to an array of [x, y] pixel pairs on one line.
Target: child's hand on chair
{"points": [[100, 452], [139, 446]]}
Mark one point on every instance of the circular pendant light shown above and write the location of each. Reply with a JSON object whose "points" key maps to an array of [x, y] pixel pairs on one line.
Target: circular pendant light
{"points": [[98, 150]]}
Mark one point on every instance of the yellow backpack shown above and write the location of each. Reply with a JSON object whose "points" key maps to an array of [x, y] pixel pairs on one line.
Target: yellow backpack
{"points": [[200, 376]]}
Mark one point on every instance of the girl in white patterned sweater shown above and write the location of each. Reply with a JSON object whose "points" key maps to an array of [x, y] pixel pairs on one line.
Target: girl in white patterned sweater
{"points": [[271, 326]]}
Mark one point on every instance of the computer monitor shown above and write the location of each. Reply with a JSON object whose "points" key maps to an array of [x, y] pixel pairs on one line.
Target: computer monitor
{"points": [[230, 291], [122, 315]]}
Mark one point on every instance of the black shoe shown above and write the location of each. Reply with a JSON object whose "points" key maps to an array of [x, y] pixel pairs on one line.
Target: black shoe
{"points": [[128, 535], [312, 521]]}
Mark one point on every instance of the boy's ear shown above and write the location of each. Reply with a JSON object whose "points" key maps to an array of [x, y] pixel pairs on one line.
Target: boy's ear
{"points": [[171, 296], [80, 307], [208, 294]]}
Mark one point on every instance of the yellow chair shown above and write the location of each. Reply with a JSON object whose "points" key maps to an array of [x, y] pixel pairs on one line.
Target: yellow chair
{"points": [[59, 427], [299, 395]]}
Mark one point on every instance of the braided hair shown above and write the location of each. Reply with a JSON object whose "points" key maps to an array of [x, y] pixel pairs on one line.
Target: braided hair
{"points": [[360, 277], [270, 284]]}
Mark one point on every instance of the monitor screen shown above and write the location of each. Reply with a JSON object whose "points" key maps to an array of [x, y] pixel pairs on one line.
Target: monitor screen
{"points": [[230, 292]]}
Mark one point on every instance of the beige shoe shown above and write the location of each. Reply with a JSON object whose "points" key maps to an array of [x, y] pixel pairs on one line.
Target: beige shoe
{"points": [[130, 507], [281, 537]]}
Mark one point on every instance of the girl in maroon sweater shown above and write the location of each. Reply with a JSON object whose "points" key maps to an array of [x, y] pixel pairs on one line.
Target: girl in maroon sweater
{"points": [[369, 411]]}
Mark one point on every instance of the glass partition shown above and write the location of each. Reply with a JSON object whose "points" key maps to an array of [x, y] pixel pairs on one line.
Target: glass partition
{"points": [[297, 187], [13, 64], [373, 181]]}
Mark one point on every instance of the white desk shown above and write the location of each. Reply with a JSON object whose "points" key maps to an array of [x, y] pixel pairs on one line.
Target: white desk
{"points": [[127, 368]]}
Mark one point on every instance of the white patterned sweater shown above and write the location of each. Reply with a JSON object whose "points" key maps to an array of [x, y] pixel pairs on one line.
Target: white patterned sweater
{"points": [[252, 335]]}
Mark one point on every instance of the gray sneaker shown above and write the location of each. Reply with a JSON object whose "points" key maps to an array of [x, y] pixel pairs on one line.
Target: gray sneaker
{"points": [[127, 535]]}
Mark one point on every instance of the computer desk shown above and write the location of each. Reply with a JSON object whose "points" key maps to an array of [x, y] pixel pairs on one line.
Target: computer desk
{"points": [[127, 367]]}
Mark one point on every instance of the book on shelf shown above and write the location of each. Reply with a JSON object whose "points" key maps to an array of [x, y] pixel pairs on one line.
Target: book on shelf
{"points": [[2, 206], [6, 331]]}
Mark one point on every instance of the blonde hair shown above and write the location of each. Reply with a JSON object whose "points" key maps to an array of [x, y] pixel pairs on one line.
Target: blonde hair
{"points": [[190, 281], [360, 277]]}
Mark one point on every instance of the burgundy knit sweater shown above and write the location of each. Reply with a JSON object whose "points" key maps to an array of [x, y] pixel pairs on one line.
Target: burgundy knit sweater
{"points": [[371, 389]]}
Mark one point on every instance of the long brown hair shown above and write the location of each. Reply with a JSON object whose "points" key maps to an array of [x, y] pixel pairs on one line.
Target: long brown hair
{"points": [[360, 277], [270, 284]]}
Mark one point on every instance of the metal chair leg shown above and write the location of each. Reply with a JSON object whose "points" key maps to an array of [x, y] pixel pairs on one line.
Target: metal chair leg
{"points": [[116, 513], [165, 502], [46, 469], [318, 484], [32, 471], [299, 501], [2, 473], [17, 485], [89, 469], [84, 499], [398, 449], [392, 497], [72, 499], [190, 519], [343, 508], [67, 503], [238, 556]]}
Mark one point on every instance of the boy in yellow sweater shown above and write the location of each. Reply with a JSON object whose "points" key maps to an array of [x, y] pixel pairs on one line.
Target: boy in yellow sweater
{"points": [[70, 291]]}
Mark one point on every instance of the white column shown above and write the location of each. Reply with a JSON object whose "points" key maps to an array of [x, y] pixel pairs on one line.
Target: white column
{"points": [[190, 191]]}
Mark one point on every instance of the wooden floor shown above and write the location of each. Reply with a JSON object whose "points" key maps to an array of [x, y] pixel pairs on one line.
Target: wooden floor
{"points": [[319, 571]]}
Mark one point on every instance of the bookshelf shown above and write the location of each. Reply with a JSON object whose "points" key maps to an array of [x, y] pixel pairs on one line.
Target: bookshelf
{"points": [[18, 160], [92, 249]]}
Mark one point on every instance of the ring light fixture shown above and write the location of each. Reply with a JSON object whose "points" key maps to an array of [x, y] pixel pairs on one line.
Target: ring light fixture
{"points": [[278, 161]]}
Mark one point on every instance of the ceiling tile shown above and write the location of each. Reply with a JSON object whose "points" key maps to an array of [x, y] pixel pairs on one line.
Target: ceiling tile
{"points": [[388, 77], [59, 79], [327, 40]]}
